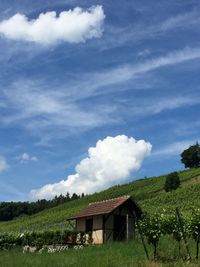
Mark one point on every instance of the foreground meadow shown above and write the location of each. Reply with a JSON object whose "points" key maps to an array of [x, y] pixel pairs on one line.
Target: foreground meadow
{"points": [[109, 255]]}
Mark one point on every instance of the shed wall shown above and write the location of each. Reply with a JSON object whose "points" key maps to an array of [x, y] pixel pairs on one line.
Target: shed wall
{"points": [[109, 224], [97, 233], [80, 224]]}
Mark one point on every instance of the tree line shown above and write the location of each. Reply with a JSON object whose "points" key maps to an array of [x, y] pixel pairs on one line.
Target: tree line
{"points": [[11, 210]]}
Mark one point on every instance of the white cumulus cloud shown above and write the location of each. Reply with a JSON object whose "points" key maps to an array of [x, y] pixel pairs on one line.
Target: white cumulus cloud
{"points": [[72, 26], [110, 162], [25, 157], [3, 164]]}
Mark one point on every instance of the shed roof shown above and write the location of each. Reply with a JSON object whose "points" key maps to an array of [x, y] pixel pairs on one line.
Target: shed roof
{"points": [[101, 207]]}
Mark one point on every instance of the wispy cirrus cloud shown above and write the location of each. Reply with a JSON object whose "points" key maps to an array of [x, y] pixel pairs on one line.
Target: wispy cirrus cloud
{"points": [[188, 127], [148, 30], [39, 107], [3, 164], [174, 148], [103, 82], [72, 26], [159, 105], [183, 20]]}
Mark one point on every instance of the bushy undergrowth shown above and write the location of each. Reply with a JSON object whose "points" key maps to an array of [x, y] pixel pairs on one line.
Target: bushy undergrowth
{"points": [[40, 239], [170, 224]]}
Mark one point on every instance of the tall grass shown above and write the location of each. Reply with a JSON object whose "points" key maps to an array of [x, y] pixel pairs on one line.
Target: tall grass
{"points": [[109, 255]]}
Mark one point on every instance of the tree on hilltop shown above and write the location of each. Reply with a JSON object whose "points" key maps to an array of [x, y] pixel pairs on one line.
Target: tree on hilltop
{"points": [[190, 157]]}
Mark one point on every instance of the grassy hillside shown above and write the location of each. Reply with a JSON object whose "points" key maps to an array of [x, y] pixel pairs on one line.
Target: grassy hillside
{"points": [[147, 192]]}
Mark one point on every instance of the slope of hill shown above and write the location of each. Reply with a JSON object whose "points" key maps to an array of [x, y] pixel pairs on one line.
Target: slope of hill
{"points": [[147, 192]]}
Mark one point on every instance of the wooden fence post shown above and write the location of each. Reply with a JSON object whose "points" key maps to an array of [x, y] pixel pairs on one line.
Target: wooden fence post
{"points": [[141, 235], [127, 228], [181, 226]]}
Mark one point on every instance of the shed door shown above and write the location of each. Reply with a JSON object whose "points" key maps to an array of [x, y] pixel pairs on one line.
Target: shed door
{"points": [[119, 228], [89, 225]]}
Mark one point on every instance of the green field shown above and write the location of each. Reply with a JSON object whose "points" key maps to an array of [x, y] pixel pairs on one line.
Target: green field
{"points": [[109, 255], [148, 192]]}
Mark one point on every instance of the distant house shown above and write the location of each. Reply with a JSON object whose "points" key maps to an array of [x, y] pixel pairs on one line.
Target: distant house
{"points": [[109, 220]]}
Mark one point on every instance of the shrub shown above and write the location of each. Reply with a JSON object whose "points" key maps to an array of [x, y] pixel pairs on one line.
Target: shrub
{"points": [[37, 238], [172, 182]]}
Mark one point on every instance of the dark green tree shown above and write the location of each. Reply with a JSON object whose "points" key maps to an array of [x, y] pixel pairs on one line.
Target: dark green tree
{"points": [[190, 157], [172, 182]]}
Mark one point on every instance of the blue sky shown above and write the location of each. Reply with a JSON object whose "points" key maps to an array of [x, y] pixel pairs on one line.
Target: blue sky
{"points": [[137, 75]]}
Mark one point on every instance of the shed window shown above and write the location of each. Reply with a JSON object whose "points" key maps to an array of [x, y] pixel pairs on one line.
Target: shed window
{"points": [[89, 225]]}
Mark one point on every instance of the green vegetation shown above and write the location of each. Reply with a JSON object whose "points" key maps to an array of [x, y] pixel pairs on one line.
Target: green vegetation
{"points": [[11, 210], [190, 157], [110, 255], [171, 242], [152, 227], [40, 238], [173, 225], [148, 192], [172, 182]]}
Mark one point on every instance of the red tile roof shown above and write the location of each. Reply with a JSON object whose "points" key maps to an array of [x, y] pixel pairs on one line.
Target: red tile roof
{"points": [[101, 207]]}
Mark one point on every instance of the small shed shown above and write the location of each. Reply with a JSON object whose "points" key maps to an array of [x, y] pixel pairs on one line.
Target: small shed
{"points": [[109, 220]]}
